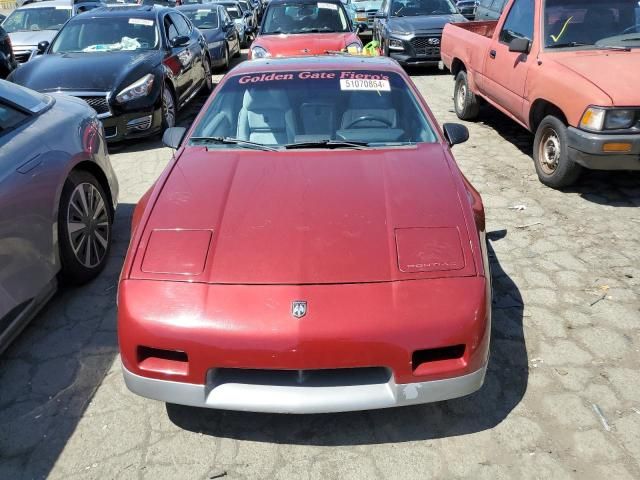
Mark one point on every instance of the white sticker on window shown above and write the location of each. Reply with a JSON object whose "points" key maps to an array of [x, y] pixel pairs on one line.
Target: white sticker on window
{"points": [[63, 8], [203, 11], [232, 9], [330, 6], [141, 21], [373, 85]]}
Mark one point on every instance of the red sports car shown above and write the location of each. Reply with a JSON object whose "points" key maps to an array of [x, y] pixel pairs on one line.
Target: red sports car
{"points": [[304, 27], [312, 247]]}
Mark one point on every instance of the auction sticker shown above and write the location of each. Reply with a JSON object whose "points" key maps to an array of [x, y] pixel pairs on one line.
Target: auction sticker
{"points": [[365, 84], [329, 6], [141, 21]]}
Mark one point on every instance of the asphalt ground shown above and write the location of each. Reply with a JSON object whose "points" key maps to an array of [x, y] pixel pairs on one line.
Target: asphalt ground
{"points": [[562, 393]]}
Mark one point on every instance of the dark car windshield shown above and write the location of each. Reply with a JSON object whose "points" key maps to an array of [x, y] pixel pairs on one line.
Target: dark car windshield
{"points": [[106, 34], [305, 18], [412, 8], [34, 19], [584, 24], [363, 109], [203, 18]]}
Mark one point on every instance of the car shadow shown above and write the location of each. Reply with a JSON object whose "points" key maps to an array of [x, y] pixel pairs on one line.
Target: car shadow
{"points": [[504, 387], [51, 371], [611, 188]]}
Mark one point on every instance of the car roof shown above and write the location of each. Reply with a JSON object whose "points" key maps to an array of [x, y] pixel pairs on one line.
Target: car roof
{"points": [[297, 2], [200, 6], [48, 3], [127, 10], [319, 62]]}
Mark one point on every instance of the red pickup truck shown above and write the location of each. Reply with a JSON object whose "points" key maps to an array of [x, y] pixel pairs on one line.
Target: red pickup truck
{"points": [[566, 70]]}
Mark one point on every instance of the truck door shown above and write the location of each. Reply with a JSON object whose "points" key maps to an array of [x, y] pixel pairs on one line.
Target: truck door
{"points": [[505, 72]]}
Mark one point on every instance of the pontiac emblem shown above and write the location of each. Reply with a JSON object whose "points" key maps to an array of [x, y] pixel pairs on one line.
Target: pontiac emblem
{"points": [[298, 308]]}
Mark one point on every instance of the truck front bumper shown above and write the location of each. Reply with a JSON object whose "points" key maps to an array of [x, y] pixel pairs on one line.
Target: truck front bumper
{"points": [[588, 150]]}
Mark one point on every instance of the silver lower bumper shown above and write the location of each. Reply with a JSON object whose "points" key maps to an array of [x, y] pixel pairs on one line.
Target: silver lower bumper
{"points": [[286, 399]]}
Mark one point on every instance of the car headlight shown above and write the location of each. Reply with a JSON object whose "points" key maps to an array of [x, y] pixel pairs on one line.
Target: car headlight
{"points": [[598, 119], [397, 32], [396, 44], [137, 89], [354, 48], [619, 119], [259, 52]]}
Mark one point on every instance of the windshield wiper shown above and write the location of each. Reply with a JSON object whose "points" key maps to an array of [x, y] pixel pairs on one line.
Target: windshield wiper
{"points": [[328, 144], [235, 141], [621, 48]]}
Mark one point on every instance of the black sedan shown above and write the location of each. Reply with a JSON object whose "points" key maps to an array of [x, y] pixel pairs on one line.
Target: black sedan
{"points": [[218, 29], [410, 31], [136, 66]]}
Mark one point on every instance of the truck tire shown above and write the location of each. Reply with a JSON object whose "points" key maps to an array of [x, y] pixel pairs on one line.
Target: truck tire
{"points": [[464, 100], [551, 156]]}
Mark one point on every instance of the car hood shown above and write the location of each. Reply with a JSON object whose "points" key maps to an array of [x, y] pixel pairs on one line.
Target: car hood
{"points": [[615, 73], [430, 23], [102, 72], [318, 217], [31, 38], [304, 43]]}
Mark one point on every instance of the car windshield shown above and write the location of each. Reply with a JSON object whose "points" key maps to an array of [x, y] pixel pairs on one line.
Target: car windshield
{"points": [[34, 19], [305, 18], [245, 6], [412, 8], [203, 18], [588, 24], [106, 34], [319, 109]]}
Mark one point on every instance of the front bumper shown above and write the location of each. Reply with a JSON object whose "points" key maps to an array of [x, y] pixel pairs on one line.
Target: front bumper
{"points": [[132, 125], [423, 49], [301, 399], [586, 149]]}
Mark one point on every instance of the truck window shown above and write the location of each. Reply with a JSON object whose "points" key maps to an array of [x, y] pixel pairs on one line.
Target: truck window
{"points": [[519, 22]]}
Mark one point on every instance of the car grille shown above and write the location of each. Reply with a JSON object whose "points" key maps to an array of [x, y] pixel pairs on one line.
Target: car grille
{"points": [[426, 46], [22, 57], [371, 15], [99, 104]]}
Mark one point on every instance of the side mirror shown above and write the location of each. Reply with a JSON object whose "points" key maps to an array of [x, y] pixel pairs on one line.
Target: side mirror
{"points": [[455, 133], [520, 45], [173, 136], [42, 47], [361, 27], [248, 14], [180, 41]]}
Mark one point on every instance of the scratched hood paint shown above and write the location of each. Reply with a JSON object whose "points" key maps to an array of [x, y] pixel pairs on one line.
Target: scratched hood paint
{"points": [[314, 43], [102, 72], [309, 217], [615, 73]]}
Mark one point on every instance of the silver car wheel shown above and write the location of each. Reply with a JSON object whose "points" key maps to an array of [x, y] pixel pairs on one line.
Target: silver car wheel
{"points": [[88, 225]]}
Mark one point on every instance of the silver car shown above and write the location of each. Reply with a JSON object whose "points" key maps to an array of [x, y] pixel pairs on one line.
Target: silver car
{"points": [[58, 194]]}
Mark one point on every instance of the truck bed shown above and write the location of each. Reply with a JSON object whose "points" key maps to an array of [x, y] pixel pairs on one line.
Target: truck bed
{"points": [[485, 29]]}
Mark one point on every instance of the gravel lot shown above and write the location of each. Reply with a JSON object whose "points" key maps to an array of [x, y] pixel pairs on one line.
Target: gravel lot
{"points": [[562, 394]]}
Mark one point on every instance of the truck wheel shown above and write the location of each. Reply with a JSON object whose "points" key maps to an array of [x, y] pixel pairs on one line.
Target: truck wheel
{"points": [[464, 100], [551, 156]]}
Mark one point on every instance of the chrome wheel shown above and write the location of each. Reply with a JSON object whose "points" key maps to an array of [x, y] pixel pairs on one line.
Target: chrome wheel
{"points": [[549, 151], [169, 108], [88, 225], [461, 97], [207, 74]]}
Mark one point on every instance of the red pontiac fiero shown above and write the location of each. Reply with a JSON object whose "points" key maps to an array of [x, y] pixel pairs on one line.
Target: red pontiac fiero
{"points": [[312, 247]]}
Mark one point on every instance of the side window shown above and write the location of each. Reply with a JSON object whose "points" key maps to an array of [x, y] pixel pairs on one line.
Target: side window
{"points": [[181, 24], [10, 117], [170, 28], [519, 22], [383, 7]]}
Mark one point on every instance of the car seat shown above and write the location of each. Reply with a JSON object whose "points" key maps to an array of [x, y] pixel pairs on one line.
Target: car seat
{"points": [[266, 117]]}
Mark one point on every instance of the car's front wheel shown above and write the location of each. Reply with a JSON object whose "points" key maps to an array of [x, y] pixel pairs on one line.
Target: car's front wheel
{"points": [[465, 102], [225, 63], [551, 154], [168, 108], [208, 81], [84, 228]]}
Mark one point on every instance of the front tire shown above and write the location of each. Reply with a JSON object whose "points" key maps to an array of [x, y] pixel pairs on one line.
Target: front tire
{"points": [[551, 154], [465, 102], [207, 87], [168, 109], [85, 224]]}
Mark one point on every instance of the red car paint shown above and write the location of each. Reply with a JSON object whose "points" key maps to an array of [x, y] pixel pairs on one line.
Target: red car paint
{"points": [[304, 43], [387, 246]]}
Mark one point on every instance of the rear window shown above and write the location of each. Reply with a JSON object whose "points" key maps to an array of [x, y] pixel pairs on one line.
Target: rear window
{"points": [[293, 18], [277, 109]]}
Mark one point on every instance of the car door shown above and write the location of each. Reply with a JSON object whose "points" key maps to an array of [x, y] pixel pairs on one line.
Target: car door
{"points": [[194, 50], [230, 31], [505, 72], [27, 259], [380, 21], [178, 60]]}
